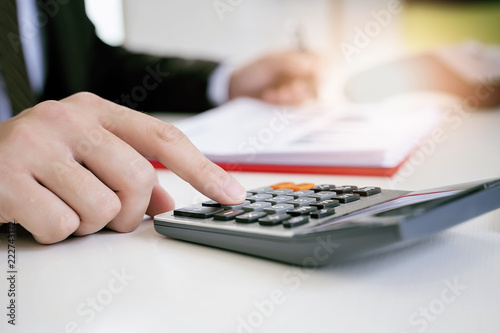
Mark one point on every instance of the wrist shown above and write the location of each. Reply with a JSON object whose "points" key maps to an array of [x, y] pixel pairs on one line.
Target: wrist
{"points": [[219, 84]]}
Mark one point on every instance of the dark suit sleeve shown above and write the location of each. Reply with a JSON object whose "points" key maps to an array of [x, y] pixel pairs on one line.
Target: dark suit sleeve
{"points": [[79, 61], [150, 83]]}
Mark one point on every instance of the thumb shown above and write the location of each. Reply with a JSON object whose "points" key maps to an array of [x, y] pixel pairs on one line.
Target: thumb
{"points": [[160, 201]]}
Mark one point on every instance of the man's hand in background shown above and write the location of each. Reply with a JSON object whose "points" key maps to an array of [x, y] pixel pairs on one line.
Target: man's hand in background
{"points": [[282, 78]]}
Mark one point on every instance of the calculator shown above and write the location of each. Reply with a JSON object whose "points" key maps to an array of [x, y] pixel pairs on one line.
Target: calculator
{"points": [[311, 225]]}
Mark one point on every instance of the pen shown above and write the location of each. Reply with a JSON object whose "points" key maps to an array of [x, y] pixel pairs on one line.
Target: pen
{"points": [[299, 38], [300, 45]]}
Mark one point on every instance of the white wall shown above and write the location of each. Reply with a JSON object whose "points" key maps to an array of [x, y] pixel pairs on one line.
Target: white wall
{"points": [[241, 29], [200, 28]]}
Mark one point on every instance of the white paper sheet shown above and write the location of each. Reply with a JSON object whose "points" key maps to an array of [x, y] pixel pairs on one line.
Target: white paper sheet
{"points": [[252, 132]]}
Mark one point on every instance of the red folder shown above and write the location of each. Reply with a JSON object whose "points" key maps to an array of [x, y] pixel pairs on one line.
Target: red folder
{"points": [[308, 169]]}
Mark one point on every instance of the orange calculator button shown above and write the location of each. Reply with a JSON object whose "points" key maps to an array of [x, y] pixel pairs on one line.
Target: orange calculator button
{"points": [[303, 186], [282, 185]]}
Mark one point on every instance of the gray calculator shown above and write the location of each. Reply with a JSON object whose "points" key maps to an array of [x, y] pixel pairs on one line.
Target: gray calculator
{"points": [[315, 224]]}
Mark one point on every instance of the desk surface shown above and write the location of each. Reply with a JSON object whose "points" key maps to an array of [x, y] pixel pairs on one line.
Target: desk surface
{"points": [[144, 282]]}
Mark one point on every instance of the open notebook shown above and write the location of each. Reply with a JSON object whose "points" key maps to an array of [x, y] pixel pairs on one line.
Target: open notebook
{"points": [[248, 135]]}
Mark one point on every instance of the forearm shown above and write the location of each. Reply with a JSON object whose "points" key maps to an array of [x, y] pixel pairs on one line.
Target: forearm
{"points": [[151, 83]]}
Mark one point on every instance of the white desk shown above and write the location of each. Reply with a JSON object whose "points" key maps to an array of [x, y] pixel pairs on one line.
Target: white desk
{"points": [[174, 286]]}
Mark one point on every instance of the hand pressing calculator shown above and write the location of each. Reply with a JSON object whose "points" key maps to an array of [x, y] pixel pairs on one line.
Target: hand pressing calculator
{"points": [[311, 225]]}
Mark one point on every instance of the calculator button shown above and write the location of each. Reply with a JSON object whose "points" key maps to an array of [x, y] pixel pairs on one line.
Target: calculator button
{"points": [[211, 203], [260, 190], [304, 210], [237, 206], [228, 214], [296, 221], [279, 209], [302, 201], [256, 206], [323, 187], [367, 191], [323, 195], [302, 186], [281, 191], [325, 204], [250, 217], [273, 219], [323, 213], [279, 199], [345, 189], [302, 193], [347, 197], [197, 211], [259, 197], [283, 185]]}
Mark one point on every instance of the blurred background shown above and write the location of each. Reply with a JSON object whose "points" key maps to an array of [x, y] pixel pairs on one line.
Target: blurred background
{"points": [[351, 34], [240, 29]]}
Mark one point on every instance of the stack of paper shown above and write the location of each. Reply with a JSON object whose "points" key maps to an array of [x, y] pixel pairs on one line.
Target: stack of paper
{"points": [[250, 135]]}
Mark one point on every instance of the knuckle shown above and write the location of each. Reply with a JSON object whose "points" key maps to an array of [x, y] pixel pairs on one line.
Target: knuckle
{"points": [[68, 223], [205, 168], [50, 110], [166, 134], [20, 132], [65, 225], [85, 96], [125, 227], [88, 99], [108, 206], [213, 178], [141, 174]]}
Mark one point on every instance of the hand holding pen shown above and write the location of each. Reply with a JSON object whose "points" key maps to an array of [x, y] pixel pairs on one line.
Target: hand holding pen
{"points": [[289, 77]]}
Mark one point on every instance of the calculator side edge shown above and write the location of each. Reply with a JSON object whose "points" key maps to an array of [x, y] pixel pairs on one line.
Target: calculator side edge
{"points": [[452, 213], [314, 249]]}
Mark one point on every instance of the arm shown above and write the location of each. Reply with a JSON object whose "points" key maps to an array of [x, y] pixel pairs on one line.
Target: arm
{"points": [[79, 61]]}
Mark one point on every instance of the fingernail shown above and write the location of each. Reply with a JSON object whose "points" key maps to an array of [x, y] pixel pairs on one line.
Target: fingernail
{"points": [[234, 190]]}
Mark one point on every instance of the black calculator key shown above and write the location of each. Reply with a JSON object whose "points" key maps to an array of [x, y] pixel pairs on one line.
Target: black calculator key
{"points": [[275, 219], [323, 213], [368, 190], [279, 199], [302, 201], [281, 191], [228, 214], [345, 189], [260, 190], [323, 195], [304, 210], [211, 203], [279, 209], [347, 197], [256, 206], [250, 217], [200, 212], [301, 193], [323, 187], [259, 197], [296, 221], [325, 204], [237, 206]]}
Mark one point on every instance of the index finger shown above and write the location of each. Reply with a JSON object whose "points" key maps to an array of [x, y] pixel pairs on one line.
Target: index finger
{"points": [[164, 142]]}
